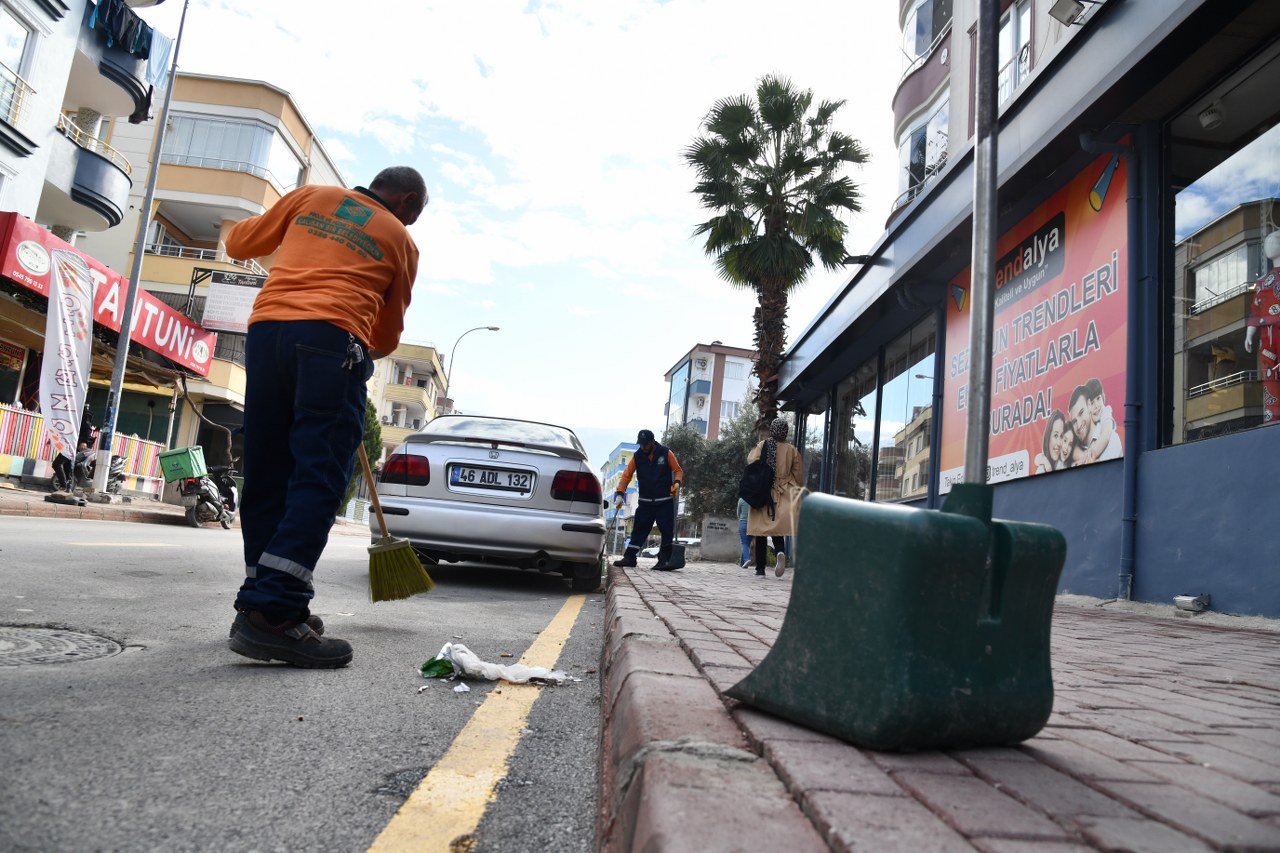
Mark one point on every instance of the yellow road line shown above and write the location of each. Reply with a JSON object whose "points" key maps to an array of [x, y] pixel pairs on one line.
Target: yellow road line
{"points": [[125, 544], [450, 801]]}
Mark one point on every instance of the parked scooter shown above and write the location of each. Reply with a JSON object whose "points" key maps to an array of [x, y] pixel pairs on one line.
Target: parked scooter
{"points": [[82, 470], [213, 497]]}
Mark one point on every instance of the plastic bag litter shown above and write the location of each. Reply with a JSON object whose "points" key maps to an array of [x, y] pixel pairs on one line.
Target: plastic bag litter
{"points": [[467, 664]]}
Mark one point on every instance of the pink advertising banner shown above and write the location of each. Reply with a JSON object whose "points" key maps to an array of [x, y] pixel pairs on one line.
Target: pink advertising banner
{"points": [[1058, 355], [26, 253]]}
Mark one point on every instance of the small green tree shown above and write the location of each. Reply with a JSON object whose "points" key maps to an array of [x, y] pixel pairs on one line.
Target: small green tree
{"points": [[372, 448]]}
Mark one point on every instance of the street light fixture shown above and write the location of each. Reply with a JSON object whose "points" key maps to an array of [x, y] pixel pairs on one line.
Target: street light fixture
{"points": [[449, 370]]}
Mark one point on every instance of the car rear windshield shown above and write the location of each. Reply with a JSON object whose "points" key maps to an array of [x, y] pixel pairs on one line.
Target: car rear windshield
{"points": [[468, 427]]}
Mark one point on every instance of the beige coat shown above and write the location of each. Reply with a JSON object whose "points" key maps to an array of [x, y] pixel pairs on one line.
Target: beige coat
{"points": [[788, 479]]}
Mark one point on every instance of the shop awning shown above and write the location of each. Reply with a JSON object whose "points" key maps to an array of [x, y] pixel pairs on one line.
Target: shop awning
{"points": [[27, 255]]}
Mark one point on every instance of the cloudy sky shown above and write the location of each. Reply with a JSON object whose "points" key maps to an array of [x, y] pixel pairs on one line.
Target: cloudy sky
{"points": [[550, 135]]}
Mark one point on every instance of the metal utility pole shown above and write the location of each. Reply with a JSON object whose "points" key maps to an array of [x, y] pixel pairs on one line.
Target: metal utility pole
{"points": [[982, 298], [108, 431]]}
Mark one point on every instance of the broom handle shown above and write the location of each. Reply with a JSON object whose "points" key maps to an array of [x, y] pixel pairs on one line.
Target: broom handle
{"points": [[373, 491]]}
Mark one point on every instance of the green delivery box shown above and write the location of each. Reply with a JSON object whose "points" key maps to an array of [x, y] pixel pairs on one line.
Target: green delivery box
{"points": [[182, 462]]}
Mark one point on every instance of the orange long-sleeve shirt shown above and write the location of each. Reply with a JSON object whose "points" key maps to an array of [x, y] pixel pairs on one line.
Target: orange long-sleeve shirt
{"points": [[342, 257]]}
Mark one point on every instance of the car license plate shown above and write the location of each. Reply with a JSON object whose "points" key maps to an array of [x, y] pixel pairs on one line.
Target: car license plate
{"points": [[496, 479]]}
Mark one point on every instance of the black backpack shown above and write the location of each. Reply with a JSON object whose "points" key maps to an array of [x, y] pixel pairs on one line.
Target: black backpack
{"points": [[756, 486]]}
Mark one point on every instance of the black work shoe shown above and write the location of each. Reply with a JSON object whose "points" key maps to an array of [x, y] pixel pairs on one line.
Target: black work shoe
{"points": [[315, 623], [628, 561], [291, 642]]}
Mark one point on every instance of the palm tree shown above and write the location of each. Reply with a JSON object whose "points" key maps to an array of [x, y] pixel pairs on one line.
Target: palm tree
{"points": [[771, 170]]}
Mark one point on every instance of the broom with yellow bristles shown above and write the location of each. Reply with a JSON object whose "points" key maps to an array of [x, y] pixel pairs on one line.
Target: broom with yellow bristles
{"points": [[395, 571]]}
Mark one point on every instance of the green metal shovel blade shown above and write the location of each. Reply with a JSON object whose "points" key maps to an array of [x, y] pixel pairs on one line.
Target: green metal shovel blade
{"points": [[915, 629]]}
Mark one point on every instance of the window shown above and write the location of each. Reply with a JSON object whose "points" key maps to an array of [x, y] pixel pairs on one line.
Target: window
{"points": [[728, 411], [735, 369], [238, 146], [676, 399], [923, 151], [924, 23], [15, 40], [1220, 375], [882, 420], [1015, 49], [814, 428], [906, 412]]}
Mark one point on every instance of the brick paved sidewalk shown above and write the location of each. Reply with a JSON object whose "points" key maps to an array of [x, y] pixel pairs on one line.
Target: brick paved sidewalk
{"points": [[1165, 736]]}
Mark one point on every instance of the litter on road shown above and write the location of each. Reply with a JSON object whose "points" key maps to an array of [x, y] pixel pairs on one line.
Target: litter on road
{"points": [[456, 660]]}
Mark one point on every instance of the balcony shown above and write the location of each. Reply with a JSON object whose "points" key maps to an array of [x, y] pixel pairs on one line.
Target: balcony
{"points": [[187, 258], [1222, 399], [87, 183], [411, 395], [394, 436], [15, 96], [1214, 313], [107, 80]]}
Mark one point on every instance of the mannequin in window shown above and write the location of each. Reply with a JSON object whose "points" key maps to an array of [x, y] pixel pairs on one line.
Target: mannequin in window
{"points": [[1264, 329]]}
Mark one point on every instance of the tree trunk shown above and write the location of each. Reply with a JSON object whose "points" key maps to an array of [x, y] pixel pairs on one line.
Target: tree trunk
{"points": [[771, 338]]}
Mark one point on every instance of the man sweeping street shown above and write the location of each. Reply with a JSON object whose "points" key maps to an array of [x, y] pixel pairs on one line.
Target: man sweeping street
{"points": [[334, 300], [658, 475]]}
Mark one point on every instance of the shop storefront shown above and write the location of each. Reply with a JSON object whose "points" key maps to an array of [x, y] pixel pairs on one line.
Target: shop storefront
{"points": [[1133, 388], [30, 260]]}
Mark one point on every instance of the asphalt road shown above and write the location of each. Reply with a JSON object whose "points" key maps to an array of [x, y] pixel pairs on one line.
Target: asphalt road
{"points": [[178, 744]]}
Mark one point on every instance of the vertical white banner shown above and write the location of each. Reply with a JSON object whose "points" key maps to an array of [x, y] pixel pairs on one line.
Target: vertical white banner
{"points": [[68, 343]]}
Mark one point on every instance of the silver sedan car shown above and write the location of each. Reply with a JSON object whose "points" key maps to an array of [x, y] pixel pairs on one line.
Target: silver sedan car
{"points": [[467, 488]]}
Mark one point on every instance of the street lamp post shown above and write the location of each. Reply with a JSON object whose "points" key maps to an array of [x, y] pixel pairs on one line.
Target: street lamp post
{"points": [[449, 369]]}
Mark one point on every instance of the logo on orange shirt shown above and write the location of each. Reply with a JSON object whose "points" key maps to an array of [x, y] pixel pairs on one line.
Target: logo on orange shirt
{"points": [[353, 211]]}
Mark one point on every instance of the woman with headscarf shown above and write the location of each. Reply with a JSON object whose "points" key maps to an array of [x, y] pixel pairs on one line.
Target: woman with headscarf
{"points": [[788, 478]]}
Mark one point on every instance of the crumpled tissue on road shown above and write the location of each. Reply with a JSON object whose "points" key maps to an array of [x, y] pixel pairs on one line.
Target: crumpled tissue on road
{"points": [[457, 660]]}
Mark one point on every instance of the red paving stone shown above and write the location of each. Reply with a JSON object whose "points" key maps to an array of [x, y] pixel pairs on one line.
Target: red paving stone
{"points": [[1165, 736]]}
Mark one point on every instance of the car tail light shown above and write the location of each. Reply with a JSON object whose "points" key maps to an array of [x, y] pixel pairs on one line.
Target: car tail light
{"points": [[576, 486], [406, 469]]}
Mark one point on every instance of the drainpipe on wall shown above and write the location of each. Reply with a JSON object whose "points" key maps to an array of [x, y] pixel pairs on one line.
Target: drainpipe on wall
{"points": [[1133, 353]]}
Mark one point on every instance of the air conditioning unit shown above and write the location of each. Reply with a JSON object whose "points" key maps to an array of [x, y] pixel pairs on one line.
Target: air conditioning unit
{"points": [[702, 401], [385, 420], [702, 363]]}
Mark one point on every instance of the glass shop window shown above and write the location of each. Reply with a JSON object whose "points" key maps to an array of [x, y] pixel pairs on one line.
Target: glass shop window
{"points": [[906, 415], [853, 433], [1225, 330], [814, 431]]}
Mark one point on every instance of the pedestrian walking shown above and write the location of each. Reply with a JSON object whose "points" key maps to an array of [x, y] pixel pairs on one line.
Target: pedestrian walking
{"points": [[779, 520], [334, 300], [658, 475], [744, 509]]}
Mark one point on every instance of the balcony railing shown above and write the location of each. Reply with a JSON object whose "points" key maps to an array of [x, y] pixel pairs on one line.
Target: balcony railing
{"points": [[1217, 299], [228, 166], [917, 188], [192, 254], [1224, 382], [14, 95], [88, 142]]}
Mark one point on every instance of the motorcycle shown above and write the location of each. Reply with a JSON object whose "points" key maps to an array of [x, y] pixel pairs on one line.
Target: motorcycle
{"points": [[82, 470], [213, 497]]}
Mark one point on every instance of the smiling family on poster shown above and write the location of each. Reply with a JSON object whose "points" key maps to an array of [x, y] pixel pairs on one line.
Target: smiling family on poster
{"points": [[1086, 432]]}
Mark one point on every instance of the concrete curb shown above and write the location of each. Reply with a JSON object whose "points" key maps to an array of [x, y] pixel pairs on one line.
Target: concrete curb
{"points": [[677, 773]]}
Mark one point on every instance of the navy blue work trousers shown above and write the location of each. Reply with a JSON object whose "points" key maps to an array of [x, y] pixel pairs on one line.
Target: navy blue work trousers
{"points": [[303, 420], [648, 513]]}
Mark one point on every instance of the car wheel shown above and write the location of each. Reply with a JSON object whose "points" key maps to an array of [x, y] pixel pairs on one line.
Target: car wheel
{"points": [[586, 577]]}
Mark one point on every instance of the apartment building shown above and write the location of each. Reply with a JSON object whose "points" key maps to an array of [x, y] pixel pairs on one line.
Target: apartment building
{"points": [[1137, 144], [67, 81], [708, 386], [405, 389], [231, 149]]}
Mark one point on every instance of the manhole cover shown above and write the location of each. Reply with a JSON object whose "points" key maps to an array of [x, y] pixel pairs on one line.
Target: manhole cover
{"points": [[50, 645]]}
